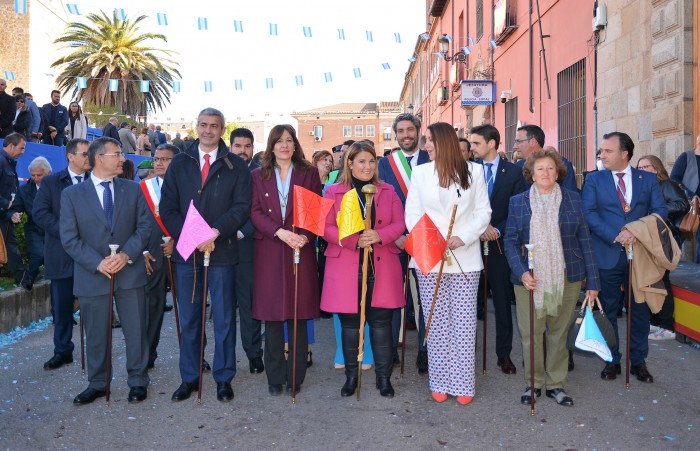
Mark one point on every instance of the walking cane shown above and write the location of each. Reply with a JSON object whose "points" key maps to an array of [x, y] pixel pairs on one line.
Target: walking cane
{"points": [[486, 299], [531, 266], [437, 285], [113, 251], [403, 319], [297, 259], [369, 191], [204, 320], [630, 256], [166, 240], [82, 341]]}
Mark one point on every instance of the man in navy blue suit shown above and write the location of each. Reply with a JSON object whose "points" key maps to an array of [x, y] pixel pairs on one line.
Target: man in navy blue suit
{"points": [[612, 198], [503, 181], [530, 138], [396, 171]]}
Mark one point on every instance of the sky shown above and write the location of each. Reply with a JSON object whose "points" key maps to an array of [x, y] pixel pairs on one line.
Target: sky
{"points": [[221, 55]]}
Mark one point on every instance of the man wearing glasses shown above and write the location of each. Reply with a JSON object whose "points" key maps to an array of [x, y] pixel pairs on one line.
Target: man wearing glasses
{"points": [[530, 138], [108, 210], [58, 266]]}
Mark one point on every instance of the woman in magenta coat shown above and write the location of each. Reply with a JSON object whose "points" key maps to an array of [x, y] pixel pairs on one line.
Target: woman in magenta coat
{"points": [[343, 276], [282, 167]]}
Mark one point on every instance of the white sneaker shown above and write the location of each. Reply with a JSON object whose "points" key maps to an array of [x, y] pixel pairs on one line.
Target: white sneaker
{"points": [[653, 329], [662, 334]]}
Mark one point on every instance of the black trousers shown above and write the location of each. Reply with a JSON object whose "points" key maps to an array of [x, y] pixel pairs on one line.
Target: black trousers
{"points": [[14, 258], [664, 318], [502, 292], [279, 370], [379, 320]]}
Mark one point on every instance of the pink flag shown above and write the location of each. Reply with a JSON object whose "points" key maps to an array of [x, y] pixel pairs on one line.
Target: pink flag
{"points": [[195, 231]]}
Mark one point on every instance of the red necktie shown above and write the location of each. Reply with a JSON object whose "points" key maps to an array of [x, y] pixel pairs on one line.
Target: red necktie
{"points": [[621, 189], [205, 168]]}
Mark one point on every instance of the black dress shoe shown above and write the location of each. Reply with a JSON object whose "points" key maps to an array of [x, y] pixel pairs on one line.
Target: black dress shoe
{"points": [[88, 396], [224, 392], [506, 365], [610, 371], [642, 373], [560, 396], [525, 398], [256, 365], [167, 307], [57, 361], [137, 394], [422, 362], [205, 365], [275, 389], [27, 283], [384, 387], [116, 325], [184, 391], [349, 387], [296, 392]]}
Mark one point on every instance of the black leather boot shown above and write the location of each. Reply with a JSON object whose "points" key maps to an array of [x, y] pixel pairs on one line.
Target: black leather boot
{"points": [[384, 386], [351, 343], [380, 334], [349, 387]]}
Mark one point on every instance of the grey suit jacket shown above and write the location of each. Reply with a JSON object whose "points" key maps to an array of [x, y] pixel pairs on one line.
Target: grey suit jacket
{"points": [[127, 140], [86, 235]]}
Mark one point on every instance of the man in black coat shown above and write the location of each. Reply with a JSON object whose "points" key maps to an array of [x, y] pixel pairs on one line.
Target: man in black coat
{"points": [[503, 180], [8, 108], [218, 184], [56, 120], [58, 266], [110, 130], [242, 145], [13, 148]]}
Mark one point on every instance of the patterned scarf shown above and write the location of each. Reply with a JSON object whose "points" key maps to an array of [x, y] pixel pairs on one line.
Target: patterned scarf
{"points": [[549, 254]]}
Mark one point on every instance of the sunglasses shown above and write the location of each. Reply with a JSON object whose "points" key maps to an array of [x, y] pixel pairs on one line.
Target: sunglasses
{"points": [[337, 149], [20, 101]]}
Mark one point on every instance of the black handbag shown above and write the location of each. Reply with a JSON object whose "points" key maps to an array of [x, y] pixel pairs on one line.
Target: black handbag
{"points": [[603, 324]]}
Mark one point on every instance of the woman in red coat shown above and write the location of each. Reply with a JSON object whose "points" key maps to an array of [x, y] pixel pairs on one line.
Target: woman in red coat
{"points": [[282, 167], [343, 277]]}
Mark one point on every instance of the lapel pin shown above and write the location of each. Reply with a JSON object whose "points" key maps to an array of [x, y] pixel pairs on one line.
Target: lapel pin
{"points": [[503, 170], [267, 195]]}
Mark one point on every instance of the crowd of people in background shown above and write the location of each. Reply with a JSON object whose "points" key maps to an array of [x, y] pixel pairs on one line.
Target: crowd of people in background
{"points": [[266, 271]]}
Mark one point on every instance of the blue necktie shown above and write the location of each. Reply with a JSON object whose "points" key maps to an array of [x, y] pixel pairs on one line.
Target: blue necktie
{"points": [[79, 178], [107, 203], [409, 159], [489, 177]]}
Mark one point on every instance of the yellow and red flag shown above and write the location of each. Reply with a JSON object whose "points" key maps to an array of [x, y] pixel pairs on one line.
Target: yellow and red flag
{"points": [[349, 217], [425, 244]]}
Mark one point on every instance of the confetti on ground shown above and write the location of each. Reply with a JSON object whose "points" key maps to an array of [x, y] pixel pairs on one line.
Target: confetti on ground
{"points": [[669, 438], [20, 332]]}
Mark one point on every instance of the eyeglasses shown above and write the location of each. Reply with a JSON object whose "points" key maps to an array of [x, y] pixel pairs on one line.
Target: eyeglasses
{"points": [[518, 141], [645, 167], [337, 149], [115, 154], [81, 154], [161, 159]]}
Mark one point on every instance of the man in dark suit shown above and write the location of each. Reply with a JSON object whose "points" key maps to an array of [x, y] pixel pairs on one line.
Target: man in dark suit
{"points": [[503, 180], [111, 130], [108, 210], [12, 148], [612, 198], [157, 251], [8, 107], [219, 185], [242, 145], [56, 120], [530, 138], [58, 265], [396, 171]]}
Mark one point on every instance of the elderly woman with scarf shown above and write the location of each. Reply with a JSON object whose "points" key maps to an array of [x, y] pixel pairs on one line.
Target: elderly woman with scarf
{"points": [[551, 218]]}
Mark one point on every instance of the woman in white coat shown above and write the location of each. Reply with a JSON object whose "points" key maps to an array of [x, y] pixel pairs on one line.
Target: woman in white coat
{"points": [[77, 122], [436, 187]]}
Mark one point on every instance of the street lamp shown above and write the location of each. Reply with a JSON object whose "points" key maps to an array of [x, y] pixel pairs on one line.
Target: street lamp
{"points": [[410, 108], [460, 56]]}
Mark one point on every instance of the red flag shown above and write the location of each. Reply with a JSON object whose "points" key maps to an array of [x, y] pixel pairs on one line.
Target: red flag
{"points": [[425, 244], [310, 210]]}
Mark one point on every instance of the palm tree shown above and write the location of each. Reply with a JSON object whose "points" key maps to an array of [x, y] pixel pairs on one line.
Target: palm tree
{"points": [[111, 48]]}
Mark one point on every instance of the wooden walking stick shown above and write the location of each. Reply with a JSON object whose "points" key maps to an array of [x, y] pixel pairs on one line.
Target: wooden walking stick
{"points": [[166, 240], [113, 251], [297, 259], [403, 318], [486, 300], [369, 191], [437, 285], [204, 320], [630, 256], [531, 266]]}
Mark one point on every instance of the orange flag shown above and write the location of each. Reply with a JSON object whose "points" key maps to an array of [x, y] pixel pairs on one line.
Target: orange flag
{"points": [[310, 210], [425, 244]]}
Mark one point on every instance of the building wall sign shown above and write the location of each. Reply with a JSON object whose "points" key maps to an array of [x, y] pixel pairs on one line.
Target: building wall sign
{"points": [[478, 92]]}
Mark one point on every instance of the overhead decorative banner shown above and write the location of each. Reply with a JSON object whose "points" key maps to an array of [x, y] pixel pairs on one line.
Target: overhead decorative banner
{"points": [[145, 85], [176, 86], [269, 83], [162, 19], [20, 6], [341, 34], [238, 26], [82, 82], [328, 77], [299, 80], [72, 9], [478, 92], [307, 32], [119, 12], [208, 86], [356, 72], [113, 85], [386, 66], [368, 34], [397, 38], [273, 29], [9, 75], [202, 23], [238, 85]]}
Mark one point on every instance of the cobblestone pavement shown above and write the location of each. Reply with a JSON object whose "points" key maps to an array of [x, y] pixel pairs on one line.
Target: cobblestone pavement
{"points": [[36, 409]]}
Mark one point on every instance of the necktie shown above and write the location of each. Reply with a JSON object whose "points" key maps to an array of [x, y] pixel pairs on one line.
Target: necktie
{"points": [[79, 178], [409, 159], [489, 177], [621, 190], [107, 203], [205, 168]]}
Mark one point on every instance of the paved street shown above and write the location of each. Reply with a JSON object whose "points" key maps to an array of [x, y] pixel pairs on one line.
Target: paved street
{"points": [[36, 409]]}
